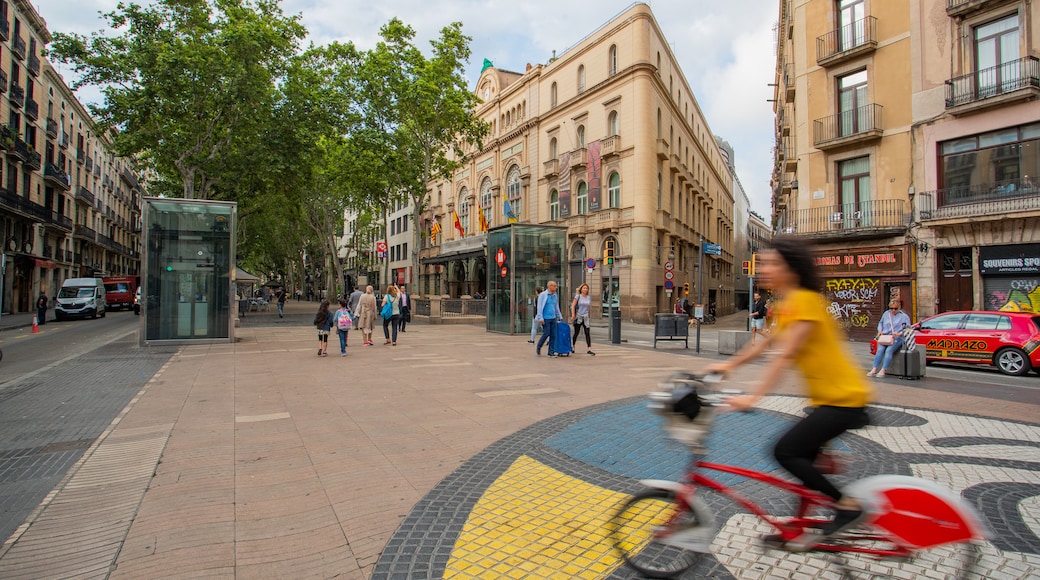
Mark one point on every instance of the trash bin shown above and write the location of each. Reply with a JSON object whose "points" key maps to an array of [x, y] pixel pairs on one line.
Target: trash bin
{"points": [[615, 326]]}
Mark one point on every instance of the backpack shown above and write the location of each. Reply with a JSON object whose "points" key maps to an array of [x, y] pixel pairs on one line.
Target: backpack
{"points": [[344, 322]]}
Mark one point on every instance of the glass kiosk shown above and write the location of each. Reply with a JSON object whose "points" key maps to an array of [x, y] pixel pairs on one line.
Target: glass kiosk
{"points": [[188, 261], [520, 258]]}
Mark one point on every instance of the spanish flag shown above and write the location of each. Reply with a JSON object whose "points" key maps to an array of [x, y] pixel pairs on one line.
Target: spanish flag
{"points": [[483, 220], [458, 224], [436, 229]]}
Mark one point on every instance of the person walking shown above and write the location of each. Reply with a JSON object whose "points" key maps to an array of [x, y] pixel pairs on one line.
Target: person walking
{"points": [[758, 317], [394, 300], [342, 321], [281, 303], [548, 315], [366, 315], [41, 308], [406, 307], [889, 337], [352, 303], [534, 317], [580, 316], [808, 337], [323, 322]]}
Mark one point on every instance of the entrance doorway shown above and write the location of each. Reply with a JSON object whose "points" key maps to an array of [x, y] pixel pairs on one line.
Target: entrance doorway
{"points": [[955, 269]]}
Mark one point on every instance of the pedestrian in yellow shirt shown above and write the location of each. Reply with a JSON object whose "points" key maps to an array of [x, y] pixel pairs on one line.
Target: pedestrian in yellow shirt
{"points": [[808, 337]]}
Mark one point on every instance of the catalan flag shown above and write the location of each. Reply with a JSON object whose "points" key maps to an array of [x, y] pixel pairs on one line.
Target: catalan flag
{"points": [[458, 224], [483, 220], [436, 229]]}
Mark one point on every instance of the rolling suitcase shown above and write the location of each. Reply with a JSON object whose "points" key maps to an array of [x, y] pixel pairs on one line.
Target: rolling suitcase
{"points": [[562, 343]]}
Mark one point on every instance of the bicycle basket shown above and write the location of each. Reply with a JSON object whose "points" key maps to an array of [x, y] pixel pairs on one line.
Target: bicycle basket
{"points": [[681, 401]]}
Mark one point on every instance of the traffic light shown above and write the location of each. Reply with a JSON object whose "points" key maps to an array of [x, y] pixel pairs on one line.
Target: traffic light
{"points": [[686, 288], [608, 253], [754, 265], [747, 268]]}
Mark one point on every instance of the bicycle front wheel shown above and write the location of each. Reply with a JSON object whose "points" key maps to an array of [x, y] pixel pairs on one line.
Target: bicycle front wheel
{"points": [[641, 526]]}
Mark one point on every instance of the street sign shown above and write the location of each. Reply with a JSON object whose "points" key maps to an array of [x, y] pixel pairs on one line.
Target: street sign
{"points": [[590, 263], [500, 257], [668, 285], [712, 249], [669, 275], [669, 266]]}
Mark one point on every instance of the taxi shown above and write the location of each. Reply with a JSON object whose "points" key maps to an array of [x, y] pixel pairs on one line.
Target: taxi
{"points": [[1008, 340]]}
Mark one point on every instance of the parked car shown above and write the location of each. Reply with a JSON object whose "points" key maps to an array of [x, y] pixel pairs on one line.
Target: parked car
{"points": [[80, 298], [137, 301], [1008, 340]]}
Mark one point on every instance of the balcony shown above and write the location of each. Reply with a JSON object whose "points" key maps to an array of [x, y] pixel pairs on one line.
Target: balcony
{"points": [[33, 159], [992, 201], [52, 128], [851, 40], [17, 96], [579, 158], [84, 233], [5, 28], [18, 47], [129, 178], [20, 151], [788, 157], [3, 81], [55, 176], [611, 146], [662, 149], [63, 140], [63, 222], [32, 109], [89, 164], [83, 194], [880, 217], [551, 167], [97, 170], [789, 81], [69, 256], [33, 65], [1018, 80], [853, 126], [81, 156], [962, 7]]}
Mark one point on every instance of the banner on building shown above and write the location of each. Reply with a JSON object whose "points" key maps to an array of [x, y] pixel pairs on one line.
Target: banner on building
{"points": [[1015, 259], [564, 184], [594, 175]]}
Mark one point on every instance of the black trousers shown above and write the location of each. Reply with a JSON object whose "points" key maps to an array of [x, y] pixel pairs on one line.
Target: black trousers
{"points": [[797, 449], [588, 338]]}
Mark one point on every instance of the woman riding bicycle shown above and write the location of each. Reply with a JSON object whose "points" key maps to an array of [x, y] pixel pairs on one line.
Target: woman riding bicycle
{"points": [[807, 336]]}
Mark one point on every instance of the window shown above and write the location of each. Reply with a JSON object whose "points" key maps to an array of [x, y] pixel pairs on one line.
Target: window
{"points": [[612, 124], [583, 198], [553, 153], [660, 185], [982, 321], [943, 322], [854, 184], [998, 163], [852, 103], [659, 128], [996, 49], [485, 200], [464, 209], [513, 190], [581, 136], [614, 190], [552, 95], [612, 60], [581, 78], [554, 205], [852, 23]]}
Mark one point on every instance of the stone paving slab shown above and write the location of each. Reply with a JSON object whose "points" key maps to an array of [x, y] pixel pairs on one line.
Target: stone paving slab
{"points": [[279, 463]]}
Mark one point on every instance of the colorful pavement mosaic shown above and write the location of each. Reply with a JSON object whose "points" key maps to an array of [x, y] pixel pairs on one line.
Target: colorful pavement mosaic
{"points": [[536, 504]]}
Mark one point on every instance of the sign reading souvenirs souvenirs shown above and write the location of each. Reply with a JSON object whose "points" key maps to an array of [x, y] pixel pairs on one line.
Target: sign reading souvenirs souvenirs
{"points": [[867, 261], [1017, 259]]}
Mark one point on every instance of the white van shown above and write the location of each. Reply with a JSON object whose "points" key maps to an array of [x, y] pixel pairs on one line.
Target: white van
{"points": [[80, 297]]}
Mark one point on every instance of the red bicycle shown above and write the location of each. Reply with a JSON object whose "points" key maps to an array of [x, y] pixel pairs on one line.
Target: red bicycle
{"points": [[665, 529]]}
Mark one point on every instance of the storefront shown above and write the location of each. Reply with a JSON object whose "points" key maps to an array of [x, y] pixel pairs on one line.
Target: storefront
{"points": [[1010, 277], [859, 284], [525, 257]]}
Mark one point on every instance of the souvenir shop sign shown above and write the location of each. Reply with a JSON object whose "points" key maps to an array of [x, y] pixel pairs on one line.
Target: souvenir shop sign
{"points": [[861, 262], [1018, 259]]}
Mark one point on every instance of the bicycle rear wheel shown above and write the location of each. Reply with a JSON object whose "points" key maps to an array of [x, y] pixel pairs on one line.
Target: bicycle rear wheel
{"points": [[635, 529]]}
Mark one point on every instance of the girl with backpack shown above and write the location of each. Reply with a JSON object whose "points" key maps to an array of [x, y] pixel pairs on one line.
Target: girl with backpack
{"points": [[323, 322], [343, 322]]}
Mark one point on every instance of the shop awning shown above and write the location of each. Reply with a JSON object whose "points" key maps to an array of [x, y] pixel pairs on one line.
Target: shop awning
{"points": [[452, 257], [46, 264]]}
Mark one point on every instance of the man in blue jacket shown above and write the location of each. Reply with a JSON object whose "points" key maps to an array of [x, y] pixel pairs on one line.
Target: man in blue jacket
{"points": [[548, 315]]}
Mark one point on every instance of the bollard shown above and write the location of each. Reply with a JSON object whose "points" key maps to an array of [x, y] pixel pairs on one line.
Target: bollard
{"points": [[615, 326]]}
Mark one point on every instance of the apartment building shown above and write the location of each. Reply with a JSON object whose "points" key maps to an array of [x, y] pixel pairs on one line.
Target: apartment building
{"points": [[976, 124], [607, 139], [68, 206]]}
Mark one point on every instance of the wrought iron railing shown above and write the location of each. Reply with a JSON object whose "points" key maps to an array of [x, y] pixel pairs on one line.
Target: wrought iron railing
{"points": [[460, 308], [421, 306], [33, 65], [17, 96], [18, 47], [24, 206], [849, 37], [845, 218], [85, 195], [993, 81], [52, 127], [859, 121], [981, 199], [32, 109]]}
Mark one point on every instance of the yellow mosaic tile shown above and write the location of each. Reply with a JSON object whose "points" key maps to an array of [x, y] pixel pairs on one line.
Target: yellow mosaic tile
{"points": [[536, 522]]}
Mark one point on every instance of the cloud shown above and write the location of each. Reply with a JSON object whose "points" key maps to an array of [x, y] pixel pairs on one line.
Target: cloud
{"points": [[725, 49]]}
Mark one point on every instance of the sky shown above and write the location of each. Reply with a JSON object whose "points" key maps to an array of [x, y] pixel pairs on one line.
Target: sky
{"points": [[725, 49]]}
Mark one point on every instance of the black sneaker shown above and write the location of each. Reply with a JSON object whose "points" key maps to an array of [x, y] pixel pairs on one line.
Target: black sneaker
{"points": [[553, 355], [590, 352], [843, 520]]}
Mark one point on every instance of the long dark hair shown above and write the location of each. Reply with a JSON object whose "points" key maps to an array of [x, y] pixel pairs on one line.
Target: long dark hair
{"points": [[797, 253]]}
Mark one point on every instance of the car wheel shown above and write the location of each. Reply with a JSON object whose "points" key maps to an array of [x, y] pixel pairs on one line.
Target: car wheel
{"points": [[1012, 361]]}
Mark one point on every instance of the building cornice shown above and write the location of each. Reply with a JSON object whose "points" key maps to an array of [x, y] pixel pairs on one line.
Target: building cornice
{"points": [[30, 15]]}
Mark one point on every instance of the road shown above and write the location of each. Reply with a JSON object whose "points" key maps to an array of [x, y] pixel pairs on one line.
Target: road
{"points": [[25, 352]]}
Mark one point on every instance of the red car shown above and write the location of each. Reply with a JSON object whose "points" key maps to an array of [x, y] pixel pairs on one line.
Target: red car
{"points": [[1008, 340]]}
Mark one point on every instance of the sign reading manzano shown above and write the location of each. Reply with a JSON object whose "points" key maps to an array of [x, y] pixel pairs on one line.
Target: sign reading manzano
{"points": [[1019, 259], [867, 262]]}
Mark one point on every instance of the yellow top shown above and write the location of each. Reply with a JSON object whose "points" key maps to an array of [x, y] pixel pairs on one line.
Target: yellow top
{"points": [[833, 379]]}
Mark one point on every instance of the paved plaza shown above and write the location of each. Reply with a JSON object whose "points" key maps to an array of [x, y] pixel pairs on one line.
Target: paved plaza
{"points": [[459, 453]]}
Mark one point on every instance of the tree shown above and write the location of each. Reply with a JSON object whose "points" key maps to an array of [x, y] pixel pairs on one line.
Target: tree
{"points": [[184, 80]]}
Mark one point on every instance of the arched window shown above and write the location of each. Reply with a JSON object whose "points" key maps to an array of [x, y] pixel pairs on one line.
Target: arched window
{"points": [[578, 252], [552, 148], [485, 200], [464, 209], [554, 205], [612, 60], [612, 124], [660, 189], [614, 190], [583, 198], [581, 136], [659, 127], [552, 95], [513, 189], [581, 78], [509, 119]]}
